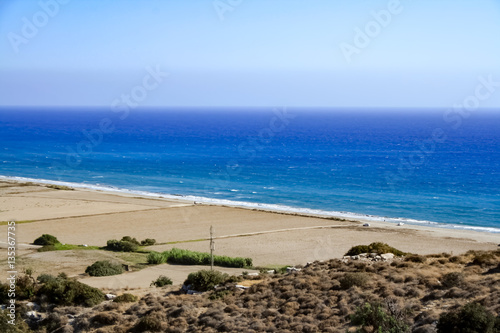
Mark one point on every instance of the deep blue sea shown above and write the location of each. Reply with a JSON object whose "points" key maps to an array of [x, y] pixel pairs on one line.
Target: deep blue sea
{"points": [[418, 166]]}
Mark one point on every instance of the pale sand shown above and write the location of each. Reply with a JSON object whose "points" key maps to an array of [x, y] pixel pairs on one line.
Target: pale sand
{"points": [[142, 279], [93, 217]]}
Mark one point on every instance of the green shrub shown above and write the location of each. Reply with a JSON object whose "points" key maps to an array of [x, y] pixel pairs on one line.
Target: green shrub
{"points": [[46, 239], [161, 281], [187, 257], [205, 279], [156, 258], [453, 279], [248, 262], [148, 242], [4, 293], [130, 240], [121, 246], [44, 278], [375, 316], [104, 268], [358, 249], [281, 270], [353, 279], [125, 298], [69, 292], [472, 318], [25, 287], [379, 248], [20, 325]]}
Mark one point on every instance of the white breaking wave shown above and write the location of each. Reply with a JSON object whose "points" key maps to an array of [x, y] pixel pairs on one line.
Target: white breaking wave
{"points": [[261, 206]]}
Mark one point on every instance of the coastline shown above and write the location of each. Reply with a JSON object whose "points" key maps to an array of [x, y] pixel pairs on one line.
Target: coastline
{"points": [[465, 232], [271, 208], [271, 238]]}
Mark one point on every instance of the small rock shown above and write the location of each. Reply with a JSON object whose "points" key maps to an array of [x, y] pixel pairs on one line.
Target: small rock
{"points": [[33, 315], [373, 255], [387, 256], [292, 269], [110, 296], [378, 258], [272, 271], [33, 305], [239, 286], [253, 274], [366, 225]]}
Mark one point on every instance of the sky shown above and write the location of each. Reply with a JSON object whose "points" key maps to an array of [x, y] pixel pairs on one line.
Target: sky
{"points": [[210, 53]]}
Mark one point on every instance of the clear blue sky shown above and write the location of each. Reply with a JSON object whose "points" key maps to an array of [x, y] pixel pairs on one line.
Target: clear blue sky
{"points": [[263, 53]]}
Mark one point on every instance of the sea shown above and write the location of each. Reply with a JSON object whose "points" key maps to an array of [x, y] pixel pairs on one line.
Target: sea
{"points": [[417, 166]]}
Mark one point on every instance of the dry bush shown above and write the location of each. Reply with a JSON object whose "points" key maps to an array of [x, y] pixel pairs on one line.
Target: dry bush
{"points": [[111, 306], [485, 259], [153, 322], [457, 260], [412, 292], [397, 278], [416, 258], [54, 321], [401, 264], [453, 279], [409, 278], [82, 323], [321, 298], [455, 292], [353, 279], [399, 292], [105, 318]]}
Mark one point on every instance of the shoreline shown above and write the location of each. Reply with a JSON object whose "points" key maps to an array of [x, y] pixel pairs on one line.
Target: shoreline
{"points": [[89, 217], [270, 208]]}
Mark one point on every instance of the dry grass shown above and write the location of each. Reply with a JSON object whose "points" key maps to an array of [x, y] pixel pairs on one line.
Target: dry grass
{"points": [[320, 298]]}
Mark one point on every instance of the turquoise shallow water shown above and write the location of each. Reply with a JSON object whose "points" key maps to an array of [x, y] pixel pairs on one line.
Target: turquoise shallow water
{"points": [[406, 165]]}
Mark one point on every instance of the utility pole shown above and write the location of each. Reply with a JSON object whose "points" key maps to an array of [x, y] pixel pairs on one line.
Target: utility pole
{"points": [[212, 248]]}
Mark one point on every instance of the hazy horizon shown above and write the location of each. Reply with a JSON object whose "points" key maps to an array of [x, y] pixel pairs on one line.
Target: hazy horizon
{"points": [[248, 53]]}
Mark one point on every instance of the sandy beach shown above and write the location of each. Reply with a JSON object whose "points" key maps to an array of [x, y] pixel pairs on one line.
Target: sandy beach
{"points": [[91, 217]]}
